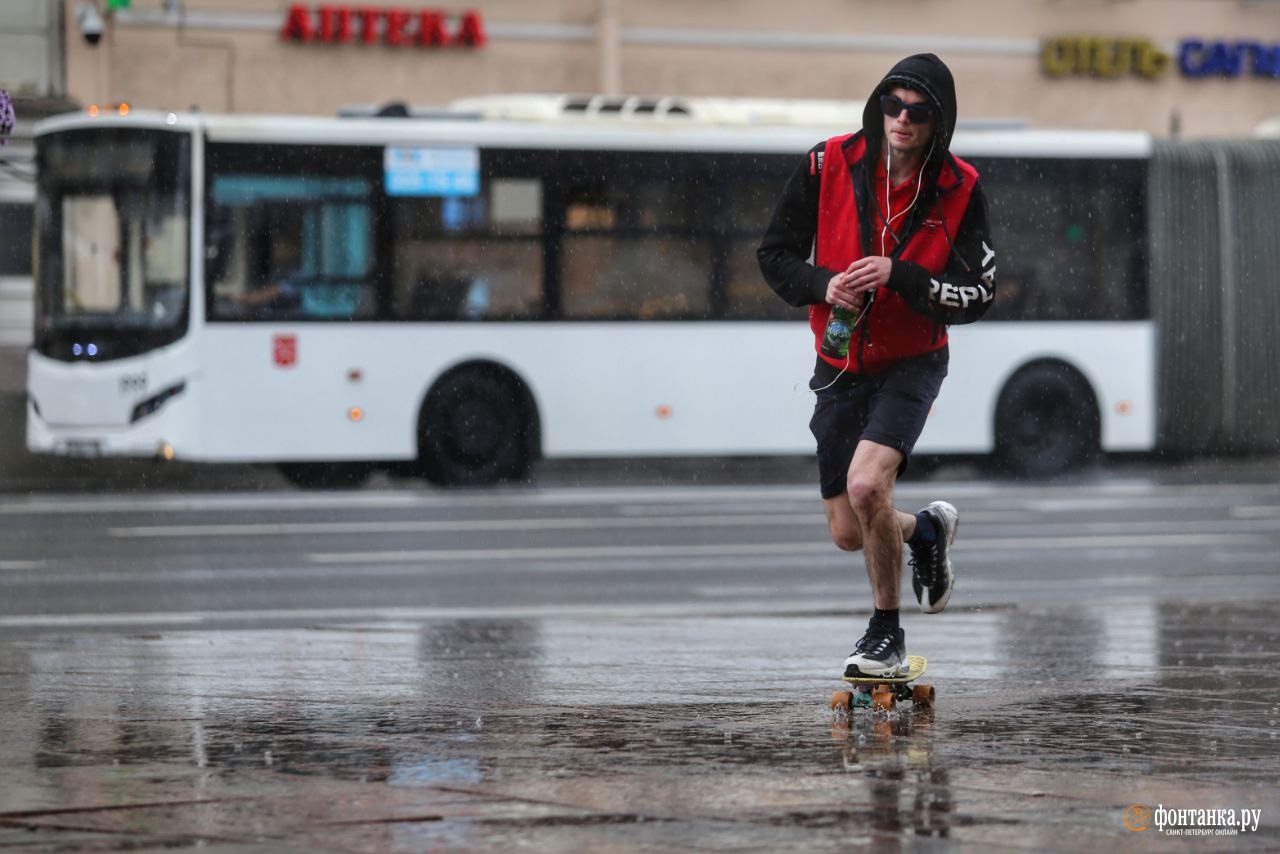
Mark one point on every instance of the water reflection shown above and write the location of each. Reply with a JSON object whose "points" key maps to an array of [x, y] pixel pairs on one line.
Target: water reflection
{"points": [[473, 664], [1178, 687], [598, 734], [357, 705], [910, 790]]}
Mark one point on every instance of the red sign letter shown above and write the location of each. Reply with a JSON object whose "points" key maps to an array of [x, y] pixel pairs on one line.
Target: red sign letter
{"points": [[431, 30], [470, 31], [335, 24], [297, 27], [397, 19], [369, 24]]}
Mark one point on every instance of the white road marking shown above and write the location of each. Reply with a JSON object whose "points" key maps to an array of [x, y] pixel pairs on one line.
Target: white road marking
{"points": [[512, 497], [966, 585], [796, 564], [808, 547], [1052, 498], [811, 597], [1245, 557], [577, 523], [352, 615], [812, 507], [417, 526], [17, 565], [1256, 512], [571, 553]]}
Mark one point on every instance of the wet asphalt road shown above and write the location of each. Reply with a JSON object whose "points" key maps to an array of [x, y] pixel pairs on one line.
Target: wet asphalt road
{"points": [[610, 667]]}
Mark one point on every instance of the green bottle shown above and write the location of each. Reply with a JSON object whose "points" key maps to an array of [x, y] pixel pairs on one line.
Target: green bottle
{"points": [[838, 334]]}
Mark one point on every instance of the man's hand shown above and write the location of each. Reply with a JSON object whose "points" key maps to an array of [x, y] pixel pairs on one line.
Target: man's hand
{"points": [[850, 288], [840, 292], [868, 273]]}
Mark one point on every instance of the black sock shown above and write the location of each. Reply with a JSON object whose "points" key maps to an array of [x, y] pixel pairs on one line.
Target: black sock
{"points": [[886, 619], [926, 531]]}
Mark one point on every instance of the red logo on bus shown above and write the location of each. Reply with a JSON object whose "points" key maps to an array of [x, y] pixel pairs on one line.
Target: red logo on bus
{"points": [[284, 349]]}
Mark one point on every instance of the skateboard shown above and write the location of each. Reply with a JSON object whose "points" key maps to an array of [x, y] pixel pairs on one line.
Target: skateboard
{"points": [[883, 692]]}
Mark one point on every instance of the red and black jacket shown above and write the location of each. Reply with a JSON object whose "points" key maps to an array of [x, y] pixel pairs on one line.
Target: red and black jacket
{"points": [[943, 268]]}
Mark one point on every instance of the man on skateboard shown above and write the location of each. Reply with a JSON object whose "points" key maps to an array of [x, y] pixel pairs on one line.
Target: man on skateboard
{"points": [[883, 234]]}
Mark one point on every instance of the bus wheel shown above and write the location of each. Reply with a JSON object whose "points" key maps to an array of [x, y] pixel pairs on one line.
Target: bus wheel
{"points": [[478, 426], [1046, 421], [326, 475]]}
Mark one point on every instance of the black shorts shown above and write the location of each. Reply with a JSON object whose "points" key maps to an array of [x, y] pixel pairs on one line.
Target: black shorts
{"points": [[888, 408]]}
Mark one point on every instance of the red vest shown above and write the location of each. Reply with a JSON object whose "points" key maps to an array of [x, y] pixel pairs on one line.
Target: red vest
{"points": [[893, 330]]}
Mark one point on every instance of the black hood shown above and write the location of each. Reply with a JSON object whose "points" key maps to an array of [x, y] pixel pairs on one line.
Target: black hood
{"points": [[924, 73], [927, 74]]}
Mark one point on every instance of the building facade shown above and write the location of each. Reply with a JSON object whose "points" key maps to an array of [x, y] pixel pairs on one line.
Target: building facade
{"points": [[1195, 67]]}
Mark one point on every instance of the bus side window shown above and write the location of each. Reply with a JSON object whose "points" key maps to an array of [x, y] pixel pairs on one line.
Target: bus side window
{"points": [[638, 238], [290, 247], [1081, 255], [751, 185], [476, 257]]}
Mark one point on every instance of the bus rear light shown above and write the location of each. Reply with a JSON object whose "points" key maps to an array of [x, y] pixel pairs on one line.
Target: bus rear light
{"points": [[1124, 407], [122, 109], [355, 413], [663, 411], [93, 111], [153, 403], [164, 451]]}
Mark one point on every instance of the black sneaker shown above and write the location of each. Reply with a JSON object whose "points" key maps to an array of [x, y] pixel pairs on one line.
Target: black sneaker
{"points": [[932, 576], [881, 652]]}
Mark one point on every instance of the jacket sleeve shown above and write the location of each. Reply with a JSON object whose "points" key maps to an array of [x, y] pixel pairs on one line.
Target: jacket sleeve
{"points": [[787, 245], [964, 291]]}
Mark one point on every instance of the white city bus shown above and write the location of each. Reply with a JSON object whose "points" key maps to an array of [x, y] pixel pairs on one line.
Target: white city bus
{"points": [[457, 295]]}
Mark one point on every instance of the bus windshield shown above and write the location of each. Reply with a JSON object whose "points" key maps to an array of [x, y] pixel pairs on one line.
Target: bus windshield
{"points": [[113, 231]]}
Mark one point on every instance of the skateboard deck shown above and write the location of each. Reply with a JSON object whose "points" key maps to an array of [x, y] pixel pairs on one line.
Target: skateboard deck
{"points": [[883, 692], [916, 666]]}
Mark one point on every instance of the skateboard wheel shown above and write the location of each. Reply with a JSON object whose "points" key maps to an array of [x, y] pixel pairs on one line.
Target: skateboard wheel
{"points": [[922, 696], [841, 700], [882, 698]]}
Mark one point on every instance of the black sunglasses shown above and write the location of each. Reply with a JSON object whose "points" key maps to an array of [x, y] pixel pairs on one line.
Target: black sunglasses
{"points": [[917, 114]]}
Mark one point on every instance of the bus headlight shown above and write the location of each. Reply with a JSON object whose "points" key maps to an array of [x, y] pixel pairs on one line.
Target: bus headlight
{"points": [[153, 403]]}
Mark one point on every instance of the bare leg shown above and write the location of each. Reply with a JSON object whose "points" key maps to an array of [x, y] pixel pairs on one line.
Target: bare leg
{"points": [[882, 529], [846, 532]]}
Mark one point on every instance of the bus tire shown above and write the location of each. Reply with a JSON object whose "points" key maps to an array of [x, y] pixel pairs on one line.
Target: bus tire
{"points": [[326, 475], [478, 425], [1046, 421]]}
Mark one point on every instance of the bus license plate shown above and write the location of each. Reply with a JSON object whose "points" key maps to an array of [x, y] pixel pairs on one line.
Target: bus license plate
{"points": [[83, 448]]}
